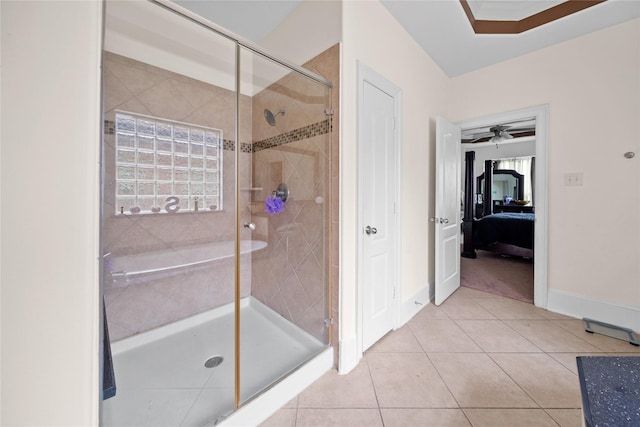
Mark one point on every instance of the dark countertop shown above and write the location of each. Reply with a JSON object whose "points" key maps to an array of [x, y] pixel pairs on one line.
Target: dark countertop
{"points": [[610, 389]]}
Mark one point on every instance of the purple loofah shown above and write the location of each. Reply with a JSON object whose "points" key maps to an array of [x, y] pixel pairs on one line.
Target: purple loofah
{"points": [[273, 205]]}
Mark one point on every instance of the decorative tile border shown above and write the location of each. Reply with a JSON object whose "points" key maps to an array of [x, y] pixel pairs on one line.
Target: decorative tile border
{"points": [[305, 132], [315, 129], [228, 144], [109, 127]]}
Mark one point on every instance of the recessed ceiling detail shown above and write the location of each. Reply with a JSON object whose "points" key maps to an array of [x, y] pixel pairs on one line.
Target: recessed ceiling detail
{"points": [[440, 27], [529, 16]]}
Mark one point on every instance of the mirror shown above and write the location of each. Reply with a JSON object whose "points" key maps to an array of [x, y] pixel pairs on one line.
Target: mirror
{"points": [[507, 186], [505, 183]]}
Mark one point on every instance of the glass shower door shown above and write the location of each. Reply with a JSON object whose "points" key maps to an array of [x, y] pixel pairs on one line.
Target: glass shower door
{"points": [[284, 212], [169, 217], [215, 218]]}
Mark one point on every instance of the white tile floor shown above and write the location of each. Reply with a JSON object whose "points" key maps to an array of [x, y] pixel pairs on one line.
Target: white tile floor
{"points": [[477, 360]]}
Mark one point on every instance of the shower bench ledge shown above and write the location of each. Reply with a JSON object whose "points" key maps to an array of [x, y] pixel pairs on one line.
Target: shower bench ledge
{"points": [[125, 266]]}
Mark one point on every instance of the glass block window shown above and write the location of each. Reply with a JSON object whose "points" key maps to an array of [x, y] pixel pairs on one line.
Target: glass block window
{"points": [[162, 165]]}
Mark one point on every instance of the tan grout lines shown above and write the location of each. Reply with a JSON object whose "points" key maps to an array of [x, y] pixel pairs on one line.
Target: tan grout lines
{"points": [[550, 353]]}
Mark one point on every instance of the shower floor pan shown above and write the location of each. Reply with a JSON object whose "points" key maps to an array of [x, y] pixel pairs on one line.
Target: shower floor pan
{"points": [[182, 374]]}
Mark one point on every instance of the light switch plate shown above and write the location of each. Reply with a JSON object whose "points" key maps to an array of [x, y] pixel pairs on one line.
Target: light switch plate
{"points": [[573, 179]]}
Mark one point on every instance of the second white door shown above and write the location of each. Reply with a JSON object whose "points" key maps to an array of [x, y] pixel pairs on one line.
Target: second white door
{"points": [[378, 203]]}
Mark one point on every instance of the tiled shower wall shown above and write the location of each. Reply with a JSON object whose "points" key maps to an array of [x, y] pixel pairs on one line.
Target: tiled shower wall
{"points": [[292, 275], [327, 64], [136, 306]]}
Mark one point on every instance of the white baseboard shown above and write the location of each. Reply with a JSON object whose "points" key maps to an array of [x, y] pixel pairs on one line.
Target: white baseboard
{"points": [[262, 407], [413, 305], [580, 306], [348, 355]]}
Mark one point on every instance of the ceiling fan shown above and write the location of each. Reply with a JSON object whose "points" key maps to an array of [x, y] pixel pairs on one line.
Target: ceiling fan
{"points": [[500, 132]]}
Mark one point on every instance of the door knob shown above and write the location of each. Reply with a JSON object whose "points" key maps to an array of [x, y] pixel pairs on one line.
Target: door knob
{"points": [[370, 230], [440, 220]]}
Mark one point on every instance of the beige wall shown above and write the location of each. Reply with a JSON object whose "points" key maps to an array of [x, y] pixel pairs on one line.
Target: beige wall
{"points": [[319, 21], [592, 87], [50, 218], [396, 56]]}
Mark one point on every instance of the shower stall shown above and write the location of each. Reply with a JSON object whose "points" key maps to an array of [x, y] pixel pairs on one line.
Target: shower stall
{"points": [[215, 217]]}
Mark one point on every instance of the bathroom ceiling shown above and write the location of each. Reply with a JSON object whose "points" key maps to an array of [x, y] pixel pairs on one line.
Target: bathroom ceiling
{"points": [[251, 19], [440, 27]]}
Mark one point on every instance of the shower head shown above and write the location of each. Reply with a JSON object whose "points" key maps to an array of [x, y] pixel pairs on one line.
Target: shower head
{"points": [[270, 117]]}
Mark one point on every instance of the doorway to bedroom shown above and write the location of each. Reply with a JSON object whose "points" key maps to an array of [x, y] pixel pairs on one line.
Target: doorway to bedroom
{"points": [[503, 166]]}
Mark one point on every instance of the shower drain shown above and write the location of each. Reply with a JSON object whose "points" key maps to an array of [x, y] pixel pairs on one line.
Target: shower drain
{"points": [[214, 361]]}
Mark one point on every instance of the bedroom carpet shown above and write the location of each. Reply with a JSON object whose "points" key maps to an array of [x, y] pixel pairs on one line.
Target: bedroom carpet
{"points": [[510, 277]]}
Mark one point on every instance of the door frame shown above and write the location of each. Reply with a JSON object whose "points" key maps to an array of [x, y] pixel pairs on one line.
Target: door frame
{"points": [[367, 74], [541, 252]]}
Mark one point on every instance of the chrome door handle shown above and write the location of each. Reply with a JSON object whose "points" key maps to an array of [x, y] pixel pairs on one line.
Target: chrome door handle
{"points": [[370, 230], [440, 220]]}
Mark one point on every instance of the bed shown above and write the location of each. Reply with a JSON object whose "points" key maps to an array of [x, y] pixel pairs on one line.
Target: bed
{"points": [[495, 228], [508, 233]]}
